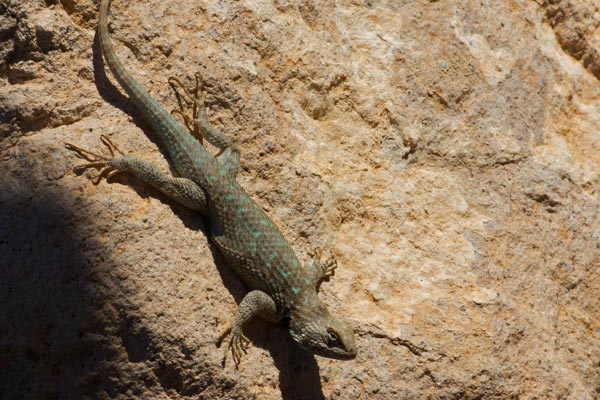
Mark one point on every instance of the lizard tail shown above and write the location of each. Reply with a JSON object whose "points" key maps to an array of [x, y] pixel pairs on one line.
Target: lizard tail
{"points": [[183, 149], [157, 114]]}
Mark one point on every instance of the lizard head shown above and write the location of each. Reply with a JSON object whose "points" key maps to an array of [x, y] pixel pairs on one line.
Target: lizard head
{"points": [[317, 331]]}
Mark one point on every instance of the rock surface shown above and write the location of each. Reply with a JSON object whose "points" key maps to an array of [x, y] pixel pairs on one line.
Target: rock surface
{"points": [[447, 153]]}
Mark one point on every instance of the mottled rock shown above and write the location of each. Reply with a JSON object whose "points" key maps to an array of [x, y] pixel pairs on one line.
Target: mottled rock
{"points": [[447, 153]]}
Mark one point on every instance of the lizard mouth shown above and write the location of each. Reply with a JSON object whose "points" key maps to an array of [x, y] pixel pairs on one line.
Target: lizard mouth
{"points": [[335, 353]]}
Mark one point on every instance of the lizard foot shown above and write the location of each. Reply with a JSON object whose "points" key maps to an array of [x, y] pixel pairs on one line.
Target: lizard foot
{"points": [[326, 269], [197, 123], [329, 267], [238, 344], [194, 96], [102, 163]]}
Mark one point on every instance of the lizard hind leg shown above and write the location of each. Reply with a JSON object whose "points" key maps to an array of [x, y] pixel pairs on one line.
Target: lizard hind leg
{"points": [[198, 124], [201, 128], [97, 161], [183, 190], [195, 97]]}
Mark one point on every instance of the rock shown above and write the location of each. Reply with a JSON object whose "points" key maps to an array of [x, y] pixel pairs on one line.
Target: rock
{"points": [[447, 153]]}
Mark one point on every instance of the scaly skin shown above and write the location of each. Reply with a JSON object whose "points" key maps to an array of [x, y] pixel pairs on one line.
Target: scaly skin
{"points": [[248, 239]]}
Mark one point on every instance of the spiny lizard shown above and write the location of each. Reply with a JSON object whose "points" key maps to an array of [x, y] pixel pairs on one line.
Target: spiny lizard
{"points": [[249, 241]]}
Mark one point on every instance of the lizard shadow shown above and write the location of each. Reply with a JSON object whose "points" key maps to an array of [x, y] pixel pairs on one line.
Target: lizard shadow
{"points": [[299, 376], [298, 370]]}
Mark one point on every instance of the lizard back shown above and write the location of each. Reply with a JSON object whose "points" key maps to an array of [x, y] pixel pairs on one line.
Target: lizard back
{"points": [[253, 245]]}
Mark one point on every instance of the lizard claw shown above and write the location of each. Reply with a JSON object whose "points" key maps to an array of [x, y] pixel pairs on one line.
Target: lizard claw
{"points": [[189, 124], [196, 98], [238, 345], [97, 161], [329, 267], [193, 110], [326, 268]]}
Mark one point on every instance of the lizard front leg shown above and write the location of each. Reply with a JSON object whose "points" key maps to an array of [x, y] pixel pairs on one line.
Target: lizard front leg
{"points": [[182, 190], [319, 271], [255, 304]]}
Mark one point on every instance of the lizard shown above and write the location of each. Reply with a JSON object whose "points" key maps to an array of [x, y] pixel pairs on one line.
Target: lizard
{"points": [[250, 242]]}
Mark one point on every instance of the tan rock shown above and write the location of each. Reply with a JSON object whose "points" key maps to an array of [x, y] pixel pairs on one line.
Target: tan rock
{"points": [[447, 153]]}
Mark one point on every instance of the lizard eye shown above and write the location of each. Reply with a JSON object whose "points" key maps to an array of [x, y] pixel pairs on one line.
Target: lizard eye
{"points": [[332, 336]]}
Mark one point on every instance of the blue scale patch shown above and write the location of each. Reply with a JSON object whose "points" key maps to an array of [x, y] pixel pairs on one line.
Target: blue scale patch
{"points": [[256, 234], [273, 255], [295, 262], [285, 274], [295, 290], [229, 196]]}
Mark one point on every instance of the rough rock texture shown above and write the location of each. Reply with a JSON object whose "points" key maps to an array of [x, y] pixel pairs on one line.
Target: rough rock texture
{"points": [[447, 152]]}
